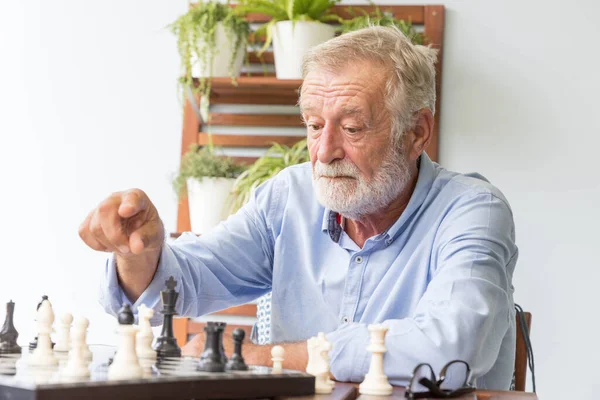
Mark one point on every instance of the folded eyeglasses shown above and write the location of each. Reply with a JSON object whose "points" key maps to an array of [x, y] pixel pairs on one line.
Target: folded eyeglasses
{"points": [[453, 381]]}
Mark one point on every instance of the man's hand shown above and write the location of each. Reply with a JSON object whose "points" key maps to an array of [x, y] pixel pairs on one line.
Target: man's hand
{"points": [[127, 224]]}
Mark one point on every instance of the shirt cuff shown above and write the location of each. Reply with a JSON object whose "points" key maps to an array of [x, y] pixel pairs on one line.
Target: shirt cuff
{"points": [[348, 354], [112, 296]]}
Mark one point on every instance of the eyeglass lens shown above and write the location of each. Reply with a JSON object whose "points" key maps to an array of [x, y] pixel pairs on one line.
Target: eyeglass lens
{"points": [[421, 371], [454, 375]]}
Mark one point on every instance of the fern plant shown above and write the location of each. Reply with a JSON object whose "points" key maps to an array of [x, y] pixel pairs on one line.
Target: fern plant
{"points": [[286, 10], [274, 160], [362, 19], [204, 161], [196, 41]]}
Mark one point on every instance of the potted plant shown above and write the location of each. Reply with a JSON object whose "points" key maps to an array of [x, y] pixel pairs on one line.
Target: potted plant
{"points": [[363, 19], [274, 160], [295, 27], [211, 40], [207, 178]]}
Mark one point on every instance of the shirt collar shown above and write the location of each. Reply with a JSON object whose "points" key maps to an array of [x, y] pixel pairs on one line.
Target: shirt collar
{"points": [[424, 182]]}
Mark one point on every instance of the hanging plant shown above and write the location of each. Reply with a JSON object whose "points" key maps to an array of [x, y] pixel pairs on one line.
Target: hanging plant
{"points": [[196, 42]]}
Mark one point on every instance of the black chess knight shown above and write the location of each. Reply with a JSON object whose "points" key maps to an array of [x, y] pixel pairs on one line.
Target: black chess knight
{"points": [[9, 334], [213, 357], [166, 344]]}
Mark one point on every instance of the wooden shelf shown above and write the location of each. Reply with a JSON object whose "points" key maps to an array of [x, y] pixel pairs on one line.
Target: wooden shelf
{"points": [[255, 90]]}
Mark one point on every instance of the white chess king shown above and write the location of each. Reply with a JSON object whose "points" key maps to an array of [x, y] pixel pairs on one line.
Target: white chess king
{"points": [[376, 382]]}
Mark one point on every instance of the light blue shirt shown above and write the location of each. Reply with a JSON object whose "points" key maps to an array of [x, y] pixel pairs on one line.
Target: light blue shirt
{"points": [[440, 278]]}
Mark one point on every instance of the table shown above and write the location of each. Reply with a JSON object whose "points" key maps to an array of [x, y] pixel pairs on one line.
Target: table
{"points": [[349, 391]]}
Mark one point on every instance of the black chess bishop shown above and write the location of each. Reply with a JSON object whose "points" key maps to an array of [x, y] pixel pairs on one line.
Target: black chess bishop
{"points": [[166, 344], [9, 334]]}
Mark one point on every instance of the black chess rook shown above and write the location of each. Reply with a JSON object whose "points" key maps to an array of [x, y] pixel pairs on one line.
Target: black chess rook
{"points": [[236, 362], [166, 344], [213, 357], [9, 334]]}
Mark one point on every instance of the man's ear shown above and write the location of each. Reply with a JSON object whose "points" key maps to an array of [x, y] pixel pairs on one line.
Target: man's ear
{"points": [[421, 133]]}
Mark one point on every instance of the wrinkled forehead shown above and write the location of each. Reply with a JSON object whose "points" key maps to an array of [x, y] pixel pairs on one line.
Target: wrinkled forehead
{"points": [[352, 89]]}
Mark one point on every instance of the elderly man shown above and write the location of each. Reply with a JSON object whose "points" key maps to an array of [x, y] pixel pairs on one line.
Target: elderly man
{"points": [[371, 231]]}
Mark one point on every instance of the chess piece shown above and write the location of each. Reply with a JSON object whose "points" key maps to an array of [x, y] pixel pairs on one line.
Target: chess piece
{"points": [[34, 342], [125, 364], [277, 353], [376, 382], [9, 334], [236, 362], [63, 341], [77, 365], [145, 336], [211, 359], [82, 324], [325, 357], [43, 354], [166, 344], [318, 363]]}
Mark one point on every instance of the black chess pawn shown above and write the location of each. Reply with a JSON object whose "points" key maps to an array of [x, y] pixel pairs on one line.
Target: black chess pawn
{"points": [[236, 362], [9, 334], [166, 344], [125, 315], [211, 359]]}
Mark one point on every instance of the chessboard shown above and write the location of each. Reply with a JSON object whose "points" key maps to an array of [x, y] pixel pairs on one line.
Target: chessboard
{"points": [[168, 378]]}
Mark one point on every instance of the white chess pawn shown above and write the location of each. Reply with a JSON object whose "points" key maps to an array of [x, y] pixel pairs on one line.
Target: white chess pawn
{"points": [[43, 354], [277, 353], [376, 382], [126, 364], [77, 365], [82, 324], [63, 341], [145, 335]]}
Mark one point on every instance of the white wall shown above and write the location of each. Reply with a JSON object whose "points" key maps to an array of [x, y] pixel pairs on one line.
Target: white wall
{"points": [[88, 106]]}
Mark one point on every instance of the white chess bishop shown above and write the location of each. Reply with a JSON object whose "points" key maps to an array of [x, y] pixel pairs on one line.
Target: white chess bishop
{"points": [[376, 382], [43, 355]]}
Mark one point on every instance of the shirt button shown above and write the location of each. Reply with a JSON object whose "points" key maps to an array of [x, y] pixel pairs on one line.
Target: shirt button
{"points": [[358, 260], [345, 320]]}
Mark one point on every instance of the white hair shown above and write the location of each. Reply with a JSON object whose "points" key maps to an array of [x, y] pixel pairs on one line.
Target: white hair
{"points": [[410, 84]]}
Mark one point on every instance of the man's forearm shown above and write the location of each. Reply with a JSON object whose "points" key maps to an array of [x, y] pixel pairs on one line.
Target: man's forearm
{"points": [[295, 358], [136, 272]]}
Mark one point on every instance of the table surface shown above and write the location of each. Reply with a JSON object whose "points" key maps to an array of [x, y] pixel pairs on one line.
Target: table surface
{"points": [[349, 391]]}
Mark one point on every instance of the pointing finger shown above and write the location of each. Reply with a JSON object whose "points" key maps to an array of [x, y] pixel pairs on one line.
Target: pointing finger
{"points": [[132, 202]]}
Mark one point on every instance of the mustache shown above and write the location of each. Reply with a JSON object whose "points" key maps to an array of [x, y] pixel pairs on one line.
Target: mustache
{"points": [[336, 169]]}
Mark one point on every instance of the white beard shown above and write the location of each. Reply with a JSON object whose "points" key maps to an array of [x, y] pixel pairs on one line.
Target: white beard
{"points": [[351, 195]]}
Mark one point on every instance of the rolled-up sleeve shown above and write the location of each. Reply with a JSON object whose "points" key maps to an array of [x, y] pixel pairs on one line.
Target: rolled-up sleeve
{"points": [[467, 307], [228, 266]]}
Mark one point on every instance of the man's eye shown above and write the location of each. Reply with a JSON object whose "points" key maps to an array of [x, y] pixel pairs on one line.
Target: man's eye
{"points": [[313, 127], [351, 130]]}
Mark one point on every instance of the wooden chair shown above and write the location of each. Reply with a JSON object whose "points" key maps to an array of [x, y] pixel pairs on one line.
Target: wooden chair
{"points": [[521, 354]]}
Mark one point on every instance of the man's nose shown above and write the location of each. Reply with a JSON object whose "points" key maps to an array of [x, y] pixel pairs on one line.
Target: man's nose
{"points": [[330, 145]]}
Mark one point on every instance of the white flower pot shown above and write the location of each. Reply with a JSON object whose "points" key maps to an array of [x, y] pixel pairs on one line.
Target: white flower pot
{"points": [[222, 57], [209, 202], [290, 44]]}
